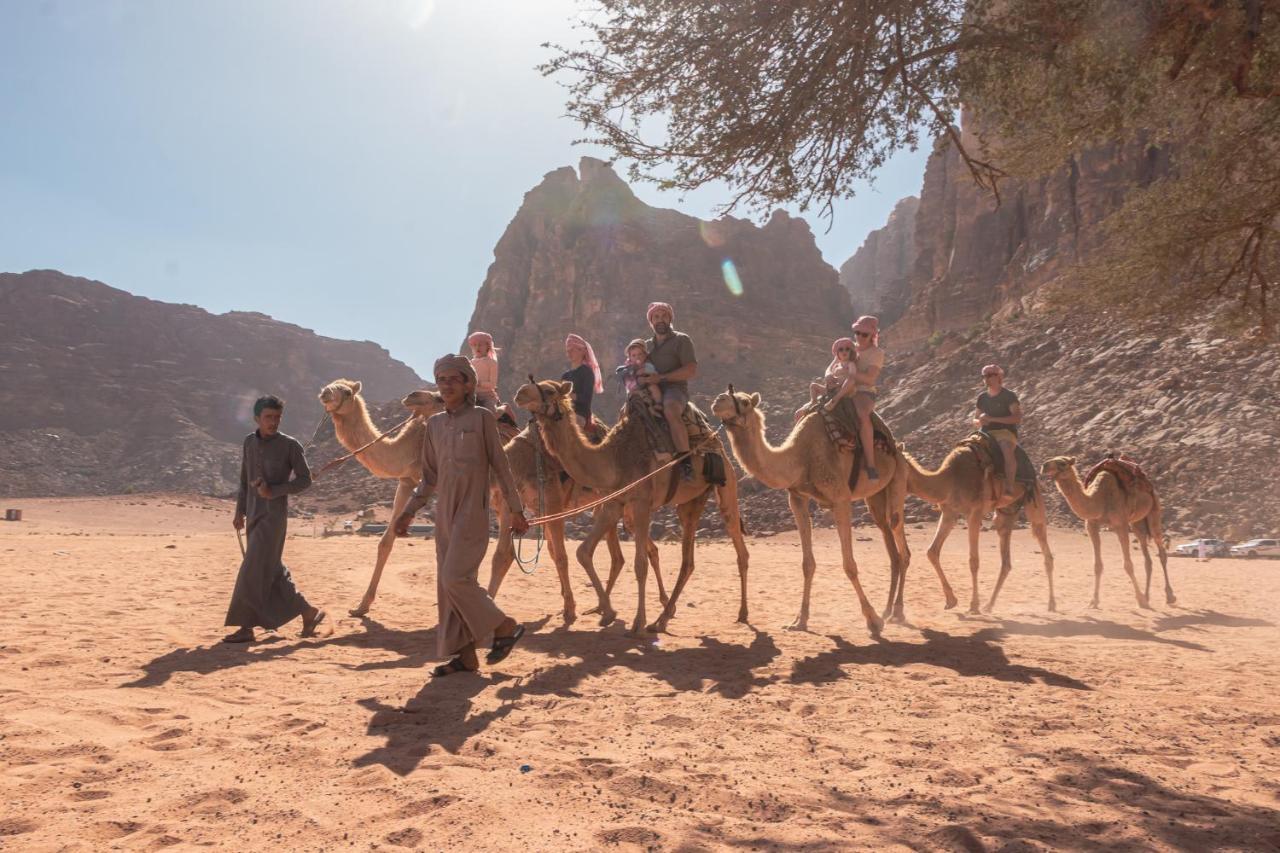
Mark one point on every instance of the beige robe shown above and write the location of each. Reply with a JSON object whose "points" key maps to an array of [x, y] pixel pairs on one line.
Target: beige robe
{"points": [[460, 450]]}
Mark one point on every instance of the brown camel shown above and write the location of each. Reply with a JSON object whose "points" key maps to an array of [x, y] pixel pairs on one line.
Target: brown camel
{"points": [[622, 458], [400, 458], [960, 488], [810, 467], [1107, 502]]}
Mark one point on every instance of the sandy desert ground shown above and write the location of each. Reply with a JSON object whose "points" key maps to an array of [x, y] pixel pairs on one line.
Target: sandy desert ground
{"points": [[123, 724]]}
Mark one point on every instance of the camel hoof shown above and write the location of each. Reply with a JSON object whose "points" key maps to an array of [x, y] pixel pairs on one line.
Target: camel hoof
{"points": [[656, 628], [607, 617], [359, 611], [1171, 599], [1144, 603], [742, 617], [798, 626], [1053, 606], [952, 601], [899, 616], [974, 610], [570, 617], [1093, 605], [874, 629]]}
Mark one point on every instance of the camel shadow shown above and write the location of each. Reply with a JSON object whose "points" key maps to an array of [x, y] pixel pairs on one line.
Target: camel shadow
{"points": [[441, 714], [976, 655], [1089, 627], [1198, 618]]}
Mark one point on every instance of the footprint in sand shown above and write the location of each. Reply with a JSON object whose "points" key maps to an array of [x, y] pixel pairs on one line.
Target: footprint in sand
{"points": [[16, 826], [407, 837]]}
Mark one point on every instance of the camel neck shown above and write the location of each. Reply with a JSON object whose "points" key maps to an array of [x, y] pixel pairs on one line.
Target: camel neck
{"points": [[590, 465], [776, 467]]}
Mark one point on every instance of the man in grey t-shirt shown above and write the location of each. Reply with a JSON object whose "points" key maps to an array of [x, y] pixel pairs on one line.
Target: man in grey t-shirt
{"points": [[671, 354]]}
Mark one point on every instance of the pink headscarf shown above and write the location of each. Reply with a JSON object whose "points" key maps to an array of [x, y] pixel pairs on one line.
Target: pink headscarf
{"points": [[581, 343], [871, 325], [993, 368], [659, 306], [476, 338], [839, 342]]}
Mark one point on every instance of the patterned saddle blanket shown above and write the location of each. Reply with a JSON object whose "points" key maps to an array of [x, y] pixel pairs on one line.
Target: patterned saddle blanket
{"points": [[1126, 470]]}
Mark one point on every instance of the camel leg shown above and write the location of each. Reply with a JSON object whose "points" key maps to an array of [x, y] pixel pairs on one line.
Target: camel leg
{"points": [[689, 514], [404, 489], [1157, 533], [663, 598], [560, 556], [604, 519], [1040, 530], [843, 512], [616, 558], [1122, 533], [974, 522], [946, 523], [877, 504], [727, 502], [895, 502], [804, 526], [504, 553], [1003, 523], [1143, 536], [1095, 536], [640, 528]]}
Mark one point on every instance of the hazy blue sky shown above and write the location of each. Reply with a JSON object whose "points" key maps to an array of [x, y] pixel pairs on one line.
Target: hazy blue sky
{"points": [[316, 161]]}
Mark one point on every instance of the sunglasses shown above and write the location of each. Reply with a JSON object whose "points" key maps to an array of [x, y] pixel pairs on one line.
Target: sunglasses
{"points": [[862, 334]]}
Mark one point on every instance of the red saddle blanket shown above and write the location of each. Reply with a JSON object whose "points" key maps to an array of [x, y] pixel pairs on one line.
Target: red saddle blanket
{"points": [[1126, 470]]}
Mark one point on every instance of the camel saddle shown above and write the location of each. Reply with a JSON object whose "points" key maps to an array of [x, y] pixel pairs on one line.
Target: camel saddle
{"points": [[645, 409], [842, 430], [1129, 474], [990, 458]]}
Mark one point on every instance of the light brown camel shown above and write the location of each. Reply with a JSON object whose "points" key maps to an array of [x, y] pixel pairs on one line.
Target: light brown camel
{"points": [[960, 488], [622, 458], [1107, 502], [400, 458], [810, 467]]}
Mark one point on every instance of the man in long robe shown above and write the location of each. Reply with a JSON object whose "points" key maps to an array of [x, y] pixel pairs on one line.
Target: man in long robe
{"points": [[460, 450], [272, 467]]}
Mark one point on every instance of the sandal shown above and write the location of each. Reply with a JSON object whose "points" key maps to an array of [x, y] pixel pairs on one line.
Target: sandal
{"points": [[455, 665], [502, 646], [244, 635], [309, 627]]}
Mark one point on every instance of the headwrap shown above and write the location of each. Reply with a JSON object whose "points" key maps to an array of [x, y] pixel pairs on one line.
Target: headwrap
{"points": [[659, 306], [476, 338], [459, 363], [867, 323], [836, 344], [638, 342], [993, 368], [581, 342]]}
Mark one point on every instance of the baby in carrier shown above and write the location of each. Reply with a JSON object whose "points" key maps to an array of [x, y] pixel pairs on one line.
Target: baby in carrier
{"points": [[638, 365]]}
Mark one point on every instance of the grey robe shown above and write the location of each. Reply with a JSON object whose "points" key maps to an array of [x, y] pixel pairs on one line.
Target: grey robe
{"points": [[265, 595], [460, 450]]}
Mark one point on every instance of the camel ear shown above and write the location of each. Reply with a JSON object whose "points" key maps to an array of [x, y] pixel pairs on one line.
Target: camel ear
{"points": [[1071, 460], [355, 387], [565, 388], [755, 399]]}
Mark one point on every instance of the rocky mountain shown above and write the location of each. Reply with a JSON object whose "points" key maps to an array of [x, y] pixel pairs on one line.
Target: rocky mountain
{"points": [[584, 255], [877, 274], [106, 392]]}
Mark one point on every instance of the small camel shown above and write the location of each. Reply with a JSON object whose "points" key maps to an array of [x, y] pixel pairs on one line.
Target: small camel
{"points": [[1107, 502], [621, 459], [810, 467], [960, 488], [399, 457]]}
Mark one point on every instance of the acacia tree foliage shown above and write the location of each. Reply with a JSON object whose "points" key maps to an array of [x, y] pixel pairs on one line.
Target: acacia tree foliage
{"points": [[793, 102]]}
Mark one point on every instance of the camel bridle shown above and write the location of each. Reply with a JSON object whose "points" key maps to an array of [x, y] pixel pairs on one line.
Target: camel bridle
{"points": [[549, 408], [736, 418]]}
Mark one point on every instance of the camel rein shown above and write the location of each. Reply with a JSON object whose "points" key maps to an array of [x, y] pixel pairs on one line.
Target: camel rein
{"points": [[341, 459]]}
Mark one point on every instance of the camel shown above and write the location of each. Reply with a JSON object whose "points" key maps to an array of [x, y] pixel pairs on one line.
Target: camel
{"points": [[621, 459], [961, 488], [1107, 502], [810, 467], [400, 458]]}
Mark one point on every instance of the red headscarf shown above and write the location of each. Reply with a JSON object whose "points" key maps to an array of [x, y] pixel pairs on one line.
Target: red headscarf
{"points": [[476, 338], [581, 343], [659, 306], [839, 342], [870, 325]]}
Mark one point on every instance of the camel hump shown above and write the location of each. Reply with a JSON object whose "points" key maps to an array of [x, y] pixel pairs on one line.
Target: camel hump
{"points": [[1126, 471]]}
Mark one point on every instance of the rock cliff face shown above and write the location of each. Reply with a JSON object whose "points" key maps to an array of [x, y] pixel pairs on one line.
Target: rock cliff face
{"points": [[877, 276], [975, 260], [584, 255], [105, 392]]}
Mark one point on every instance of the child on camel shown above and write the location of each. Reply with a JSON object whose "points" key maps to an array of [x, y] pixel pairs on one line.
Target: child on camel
{"points": [[868, 361], [638, 365], [837, 373], [484, 361]]}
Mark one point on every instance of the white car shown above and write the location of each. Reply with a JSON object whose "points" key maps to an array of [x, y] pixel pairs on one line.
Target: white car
{"points": [[1257, 548], [1212, 548]]}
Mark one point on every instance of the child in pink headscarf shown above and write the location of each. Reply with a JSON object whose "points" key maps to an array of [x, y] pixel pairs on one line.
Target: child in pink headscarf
{"points": [[638, 365], [837, 373], [584, 373], [484, 361]]}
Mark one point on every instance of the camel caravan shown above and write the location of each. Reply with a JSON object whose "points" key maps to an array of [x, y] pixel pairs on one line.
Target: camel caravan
{"points": [[663, 451]]}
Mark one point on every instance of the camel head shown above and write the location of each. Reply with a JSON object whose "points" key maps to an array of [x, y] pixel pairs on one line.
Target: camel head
{"points": [[1058, 466], [731, 406], [339, 393], [423, 403], [549, 398]]}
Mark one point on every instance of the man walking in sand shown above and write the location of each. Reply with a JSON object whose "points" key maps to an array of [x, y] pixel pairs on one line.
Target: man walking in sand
{"points": [[265, 596], [671, 354], [460, 450]]}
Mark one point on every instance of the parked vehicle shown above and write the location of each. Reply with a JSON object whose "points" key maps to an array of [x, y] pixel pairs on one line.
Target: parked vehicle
{"points": [[1212, 548], [1257, 548]]}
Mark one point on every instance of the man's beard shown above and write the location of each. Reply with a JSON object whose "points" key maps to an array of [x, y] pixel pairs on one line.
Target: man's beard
{"points": [[662, 328]]}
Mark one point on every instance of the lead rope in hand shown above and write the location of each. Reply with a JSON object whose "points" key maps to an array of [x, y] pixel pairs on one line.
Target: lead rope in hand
{"points": [[542, 507]]}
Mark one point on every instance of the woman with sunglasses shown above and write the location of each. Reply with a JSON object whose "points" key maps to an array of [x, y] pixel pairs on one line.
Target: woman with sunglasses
{"points": [[868, 361]]}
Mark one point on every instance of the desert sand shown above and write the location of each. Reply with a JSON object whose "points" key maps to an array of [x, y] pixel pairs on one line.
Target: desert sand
{"points": [[123, 723]]}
